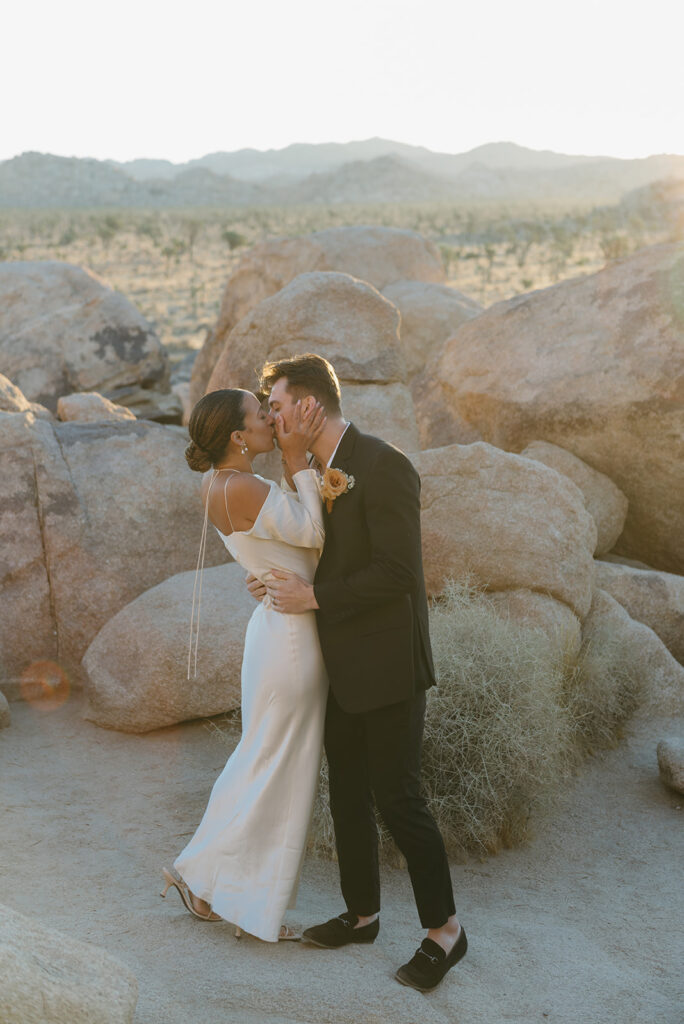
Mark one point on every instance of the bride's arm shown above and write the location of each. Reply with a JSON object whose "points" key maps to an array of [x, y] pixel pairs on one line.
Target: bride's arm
{"points": [[263, 510], [286, 481], [296, 518]]}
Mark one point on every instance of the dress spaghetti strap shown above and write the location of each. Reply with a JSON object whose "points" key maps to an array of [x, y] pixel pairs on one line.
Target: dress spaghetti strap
{"points": [[225, 500], [200, 567]]}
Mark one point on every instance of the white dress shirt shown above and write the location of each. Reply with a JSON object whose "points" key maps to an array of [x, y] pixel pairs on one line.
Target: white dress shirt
{"points": [[337, 446]]}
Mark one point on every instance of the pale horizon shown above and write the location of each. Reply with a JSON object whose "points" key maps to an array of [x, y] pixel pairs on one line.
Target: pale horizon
{"points": [[155, 83], [340, 142]]}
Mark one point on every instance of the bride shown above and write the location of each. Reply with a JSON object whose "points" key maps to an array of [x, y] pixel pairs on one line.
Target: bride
{"points": [[243, 862]]}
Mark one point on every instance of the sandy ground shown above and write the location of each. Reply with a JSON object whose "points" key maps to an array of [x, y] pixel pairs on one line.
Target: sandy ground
{"points": [[579, 926]]}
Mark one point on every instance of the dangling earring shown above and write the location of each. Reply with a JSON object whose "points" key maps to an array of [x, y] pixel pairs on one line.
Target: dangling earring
{"points": [[244, 449]]}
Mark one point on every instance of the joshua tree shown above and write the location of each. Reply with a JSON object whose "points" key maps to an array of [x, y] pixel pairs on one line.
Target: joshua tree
{"points": [[193, 227], [233, 239], [613, 246], [106, 227], [563, 244]]}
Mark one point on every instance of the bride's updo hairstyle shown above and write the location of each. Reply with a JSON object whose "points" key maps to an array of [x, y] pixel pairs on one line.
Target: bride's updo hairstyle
{"points": [[212, 421]]}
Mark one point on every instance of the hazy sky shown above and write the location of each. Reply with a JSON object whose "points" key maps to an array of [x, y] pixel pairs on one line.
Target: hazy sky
{"points": [[178, 80]]}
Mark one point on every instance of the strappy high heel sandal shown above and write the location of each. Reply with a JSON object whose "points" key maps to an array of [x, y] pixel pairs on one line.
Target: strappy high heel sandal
{"points": [[186, 896]]}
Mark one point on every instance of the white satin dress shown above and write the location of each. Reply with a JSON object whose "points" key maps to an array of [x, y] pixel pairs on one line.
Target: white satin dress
{"points": [[246, 855]]}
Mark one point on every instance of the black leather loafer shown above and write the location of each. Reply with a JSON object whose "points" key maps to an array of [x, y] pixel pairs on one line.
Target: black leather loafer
{"points": [[430, 963], [340, 931]]}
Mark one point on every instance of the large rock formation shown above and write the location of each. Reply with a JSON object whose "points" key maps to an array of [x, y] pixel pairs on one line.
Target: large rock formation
{"points": [[12, 399], [137, 664], [49, 977], [377, 255], [347, 322], [430, 315], [670, 754], [510, 522], [147, 404], [91, 514], [605, 502], [660, 677], [64, 330], [90, 407], [5, 714], [654, 598], [383, 409], [529, 608], [595, 365], [27, 610]]}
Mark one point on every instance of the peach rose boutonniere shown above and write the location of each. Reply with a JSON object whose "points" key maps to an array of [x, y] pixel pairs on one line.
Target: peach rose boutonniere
{"points": [[332, 484]]}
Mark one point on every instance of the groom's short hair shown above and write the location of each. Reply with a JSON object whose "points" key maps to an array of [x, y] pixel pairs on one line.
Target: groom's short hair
{"points": [[307, 374]]}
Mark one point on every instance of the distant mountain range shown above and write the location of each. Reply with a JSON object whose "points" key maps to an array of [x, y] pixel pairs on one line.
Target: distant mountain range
{"points": [[373, 171], [302, 159]]}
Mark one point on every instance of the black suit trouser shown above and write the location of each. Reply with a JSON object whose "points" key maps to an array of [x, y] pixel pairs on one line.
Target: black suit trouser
{"points": [[378, 753]]}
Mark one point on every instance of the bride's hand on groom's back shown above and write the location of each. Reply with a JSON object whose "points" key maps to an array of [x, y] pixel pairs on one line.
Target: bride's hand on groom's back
{"points": [[255, 587]]}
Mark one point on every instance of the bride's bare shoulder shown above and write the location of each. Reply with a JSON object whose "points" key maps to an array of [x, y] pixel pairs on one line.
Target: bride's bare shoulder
{"points": [[240, 496], [248, 486], [237, 483]]}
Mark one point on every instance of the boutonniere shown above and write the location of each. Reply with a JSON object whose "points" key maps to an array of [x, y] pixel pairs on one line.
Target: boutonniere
{"points": [[333, 483]]}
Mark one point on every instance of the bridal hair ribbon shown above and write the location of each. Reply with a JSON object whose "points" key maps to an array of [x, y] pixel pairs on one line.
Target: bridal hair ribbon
{"points": [[198, 573]]}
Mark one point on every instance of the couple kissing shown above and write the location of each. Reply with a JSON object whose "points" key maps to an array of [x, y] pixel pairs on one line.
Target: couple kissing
{"points": [[337, 656]]}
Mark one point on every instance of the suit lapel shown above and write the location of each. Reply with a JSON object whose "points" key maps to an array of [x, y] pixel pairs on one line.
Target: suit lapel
{"points": [[342, 459]]}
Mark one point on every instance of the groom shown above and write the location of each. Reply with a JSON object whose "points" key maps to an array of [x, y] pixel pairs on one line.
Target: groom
{"points": [[372, 617]]}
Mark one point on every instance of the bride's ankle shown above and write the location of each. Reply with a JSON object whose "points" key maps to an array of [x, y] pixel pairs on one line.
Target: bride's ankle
{"points": [[199, 904]]}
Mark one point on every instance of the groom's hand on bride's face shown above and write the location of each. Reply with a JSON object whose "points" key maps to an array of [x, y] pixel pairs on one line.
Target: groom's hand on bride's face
{"points": [[290, 594], [256, 588]]}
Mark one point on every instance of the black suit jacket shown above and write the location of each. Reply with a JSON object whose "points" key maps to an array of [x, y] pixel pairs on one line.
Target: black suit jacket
{"points": [[369, 585]]}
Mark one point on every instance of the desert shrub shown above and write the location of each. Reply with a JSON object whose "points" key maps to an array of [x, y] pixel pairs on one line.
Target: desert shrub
{"points": [[68, 236], [192, 227], [150, 227], [322, 833], [496, 731], [450, 255], [614, 247], [106, 227], [512, 716], [173, 251], [602, 688], [233, 239]]}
